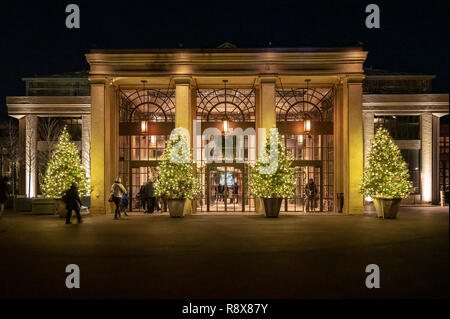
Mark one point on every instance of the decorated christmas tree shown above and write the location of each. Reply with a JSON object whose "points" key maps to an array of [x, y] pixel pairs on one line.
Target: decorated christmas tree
{"points": [[386, 175], [176, 178], [272, 175], [64, 168]]}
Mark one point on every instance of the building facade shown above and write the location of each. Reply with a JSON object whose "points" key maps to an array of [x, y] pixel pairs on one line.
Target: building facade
{"points": [[323, 103]]}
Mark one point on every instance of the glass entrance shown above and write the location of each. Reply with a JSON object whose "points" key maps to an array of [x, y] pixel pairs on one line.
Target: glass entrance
{"points": [[141, 147], [306, 197], [226, 188], [141, 173]]}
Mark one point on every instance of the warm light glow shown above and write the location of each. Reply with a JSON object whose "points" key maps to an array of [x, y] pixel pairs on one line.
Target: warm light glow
{"points": [[144, 125], [369, 199], [307, 126], [426, 187], [225, 126], [300, 139], [153, 139]]}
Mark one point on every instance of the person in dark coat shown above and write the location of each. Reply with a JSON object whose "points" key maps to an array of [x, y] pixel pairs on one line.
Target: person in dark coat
{"points": [[221, 190], [311, 192], [150, 197], [235, 192], [141, 197], [73, 203], [4, 193]]}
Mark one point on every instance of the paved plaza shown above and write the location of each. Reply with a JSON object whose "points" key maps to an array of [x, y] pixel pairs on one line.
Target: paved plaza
{"points": [[219, 256]]}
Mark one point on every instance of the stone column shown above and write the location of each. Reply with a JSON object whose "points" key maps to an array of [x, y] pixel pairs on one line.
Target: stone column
{"points": [[352, 145], [368, 133], [98, 195], [436, 150], [104, 143], [183, 115], [426, 132], [22, 167], [111, 140], [86, 143], [338, 141], [265, 118], [31, 132]]}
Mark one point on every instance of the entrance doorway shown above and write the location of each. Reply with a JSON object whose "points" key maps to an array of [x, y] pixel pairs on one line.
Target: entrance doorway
{"points": [[141, 173], [304, 172], [226, 188]]}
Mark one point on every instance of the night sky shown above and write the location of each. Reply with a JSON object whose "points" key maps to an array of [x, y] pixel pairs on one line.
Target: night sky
{"points": [[34, 40]]}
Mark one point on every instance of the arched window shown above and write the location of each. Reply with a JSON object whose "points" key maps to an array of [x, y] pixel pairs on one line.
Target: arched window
{"points": [[314, 104], [151, 105], [237, 105]]}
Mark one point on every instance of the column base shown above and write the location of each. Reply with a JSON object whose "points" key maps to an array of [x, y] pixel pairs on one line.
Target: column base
{"points": [[259, 206], [187, 207], [354, 210], [98, 210]]}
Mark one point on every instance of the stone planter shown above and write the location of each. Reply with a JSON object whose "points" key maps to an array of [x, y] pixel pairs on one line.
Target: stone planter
{"points": [[60, 207], [43, 206], [272, 206], [22, 204], [176, 207], [387, 207]]}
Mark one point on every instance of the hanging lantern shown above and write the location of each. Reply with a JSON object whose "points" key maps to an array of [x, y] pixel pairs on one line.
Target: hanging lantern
{"points": [[300, 139], [307, 127], [144, 126]]}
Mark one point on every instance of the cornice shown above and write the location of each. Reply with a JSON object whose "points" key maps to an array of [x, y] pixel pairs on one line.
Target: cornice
{"points": [[225, 63]]}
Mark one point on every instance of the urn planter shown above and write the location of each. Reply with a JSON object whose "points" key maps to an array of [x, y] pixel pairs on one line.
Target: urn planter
{"points": [[176, 207], [272, 207], [387, 207], [61, 207]]}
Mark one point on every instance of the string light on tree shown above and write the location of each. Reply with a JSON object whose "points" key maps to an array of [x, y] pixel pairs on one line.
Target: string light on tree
{"points": [[386, 175], [65, 168], [176, 178], [281, 183]]}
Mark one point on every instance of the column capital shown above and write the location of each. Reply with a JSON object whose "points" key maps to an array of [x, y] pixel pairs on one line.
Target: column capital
{"points": [[355, 78], [266, 79], [183, 80], [99, 80]]}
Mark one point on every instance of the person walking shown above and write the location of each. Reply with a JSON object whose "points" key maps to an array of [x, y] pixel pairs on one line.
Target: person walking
{"points": [[221, 190], [117, 190], [141, 197], [73, 203], [124, 204], [311, 192], [150, 196], [4, 194], [235, 193]]}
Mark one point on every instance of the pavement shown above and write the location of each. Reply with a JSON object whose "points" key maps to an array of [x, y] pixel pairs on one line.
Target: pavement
{"points": [[219, 256]]}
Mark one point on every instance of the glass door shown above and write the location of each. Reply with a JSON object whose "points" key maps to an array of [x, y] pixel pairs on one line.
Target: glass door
{"points": [[224, 187], [309, 193]]}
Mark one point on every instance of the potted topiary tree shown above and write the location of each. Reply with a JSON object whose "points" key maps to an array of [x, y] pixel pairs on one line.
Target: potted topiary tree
{"points": [[272, 178], [64, 168], [176, 179], [386, 178]]}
